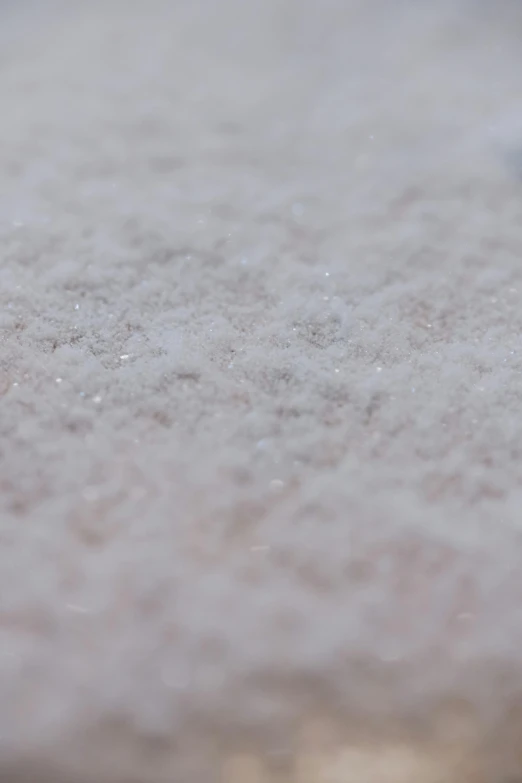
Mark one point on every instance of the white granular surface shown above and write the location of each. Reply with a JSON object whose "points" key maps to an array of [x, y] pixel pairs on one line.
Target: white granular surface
{"points": [[260, 373]]}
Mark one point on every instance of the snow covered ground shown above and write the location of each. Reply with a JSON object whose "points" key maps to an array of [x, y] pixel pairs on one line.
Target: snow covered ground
{"points": [[260, 391]]}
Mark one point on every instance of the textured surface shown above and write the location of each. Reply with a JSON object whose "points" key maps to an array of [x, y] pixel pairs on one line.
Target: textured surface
{"points": [[260, 388]]}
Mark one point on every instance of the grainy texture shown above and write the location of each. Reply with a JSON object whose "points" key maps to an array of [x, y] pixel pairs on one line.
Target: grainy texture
{"points": [[260, 391]]}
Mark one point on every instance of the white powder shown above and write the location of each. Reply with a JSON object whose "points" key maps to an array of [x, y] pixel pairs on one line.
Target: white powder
{"points": [[260, 372]]}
